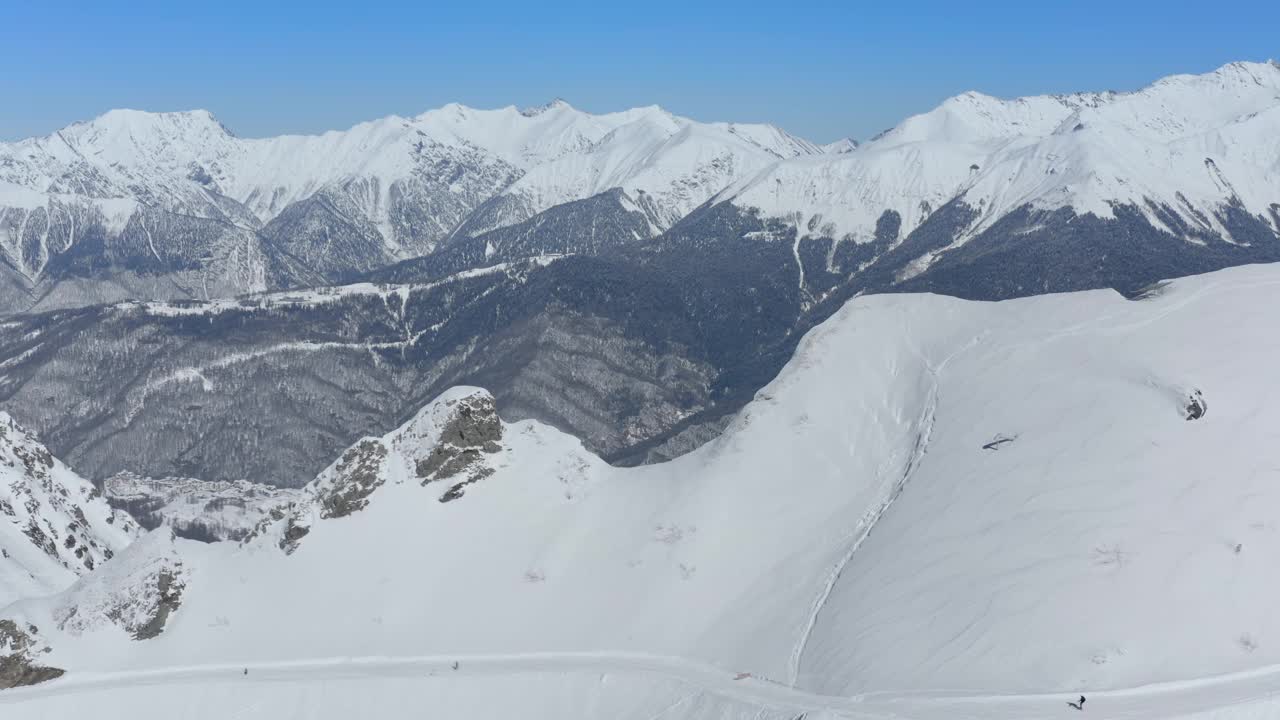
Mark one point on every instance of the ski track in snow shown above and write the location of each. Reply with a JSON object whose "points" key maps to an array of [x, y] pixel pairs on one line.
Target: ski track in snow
{"points": [[863, 530], [1152, 702]]}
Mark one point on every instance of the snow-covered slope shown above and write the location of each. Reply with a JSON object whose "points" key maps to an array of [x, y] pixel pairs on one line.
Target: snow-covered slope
{"points": [[53, 524], [1065, 493], [1178, 151]]}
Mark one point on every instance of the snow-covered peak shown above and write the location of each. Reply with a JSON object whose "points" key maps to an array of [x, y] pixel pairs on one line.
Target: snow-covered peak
{"points": [[555, 104], [136, 142], [1231, 75], [675, 162], [975, 118], [840, 147], [1168, 107], [1189, 143], [141, 123]]}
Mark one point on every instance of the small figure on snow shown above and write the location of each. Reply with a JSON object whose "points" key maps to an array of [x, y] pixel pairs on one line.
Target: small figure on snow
{"points": [[246, 671], [455, 664], [1077, 705]]}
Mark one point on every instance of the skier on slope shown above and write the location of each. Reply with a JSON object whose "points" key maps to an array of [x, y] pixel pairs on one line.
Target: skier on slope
{"points": [[1077, 705]]}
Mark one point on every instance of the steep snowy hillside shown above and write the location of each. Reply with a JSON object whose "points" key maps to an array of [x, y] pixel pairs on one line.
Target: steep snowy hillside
{"points": [[1192, 155], [939, 509], [53, 524]]}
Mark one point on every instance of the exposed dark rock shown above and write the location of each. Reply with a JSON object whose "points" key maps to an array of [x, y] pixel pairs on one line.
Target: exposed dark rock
{"points": [[473, 429], [459, 489], [357, 475], [170, 587], [1196, 406], [139, 597], [19, 648], [292, 535]]}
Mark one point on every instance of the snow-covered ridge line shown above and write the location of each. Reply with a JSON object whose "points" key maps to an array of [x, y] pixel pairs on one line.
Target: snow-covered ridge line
{"points": [[1184, 147]]}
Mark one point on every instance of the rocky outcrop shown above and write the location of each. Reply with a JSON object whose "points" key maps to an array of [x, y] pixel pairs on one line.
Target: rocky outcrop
{"points": [[470, 430], [168, 593], [138, 592], [358, 474], [1196, 406], [19, 649], [474, 428], [448, 441], [341, 490]]}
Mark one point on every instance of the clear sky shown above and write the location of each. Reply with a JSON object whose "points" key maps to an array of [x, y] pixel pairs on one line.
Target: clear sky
{"points": [[819, 69]]}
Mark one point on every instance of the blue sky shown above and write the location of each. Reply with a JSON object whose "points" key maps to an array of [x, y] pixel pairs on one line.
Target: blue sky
{"points": [[819, 69]]}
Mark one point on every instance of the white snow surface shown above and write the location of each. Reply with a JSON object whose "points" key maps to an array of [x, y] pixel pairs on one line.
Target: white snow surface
{"points": [[1192, 142], [53, 523], [848, 541]]}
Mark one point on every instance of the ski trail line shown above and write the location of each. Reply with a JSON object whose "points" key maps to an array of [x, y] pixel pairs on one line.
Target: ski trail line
{"points": [[866, 525], [700, 676], [1160, 701]]}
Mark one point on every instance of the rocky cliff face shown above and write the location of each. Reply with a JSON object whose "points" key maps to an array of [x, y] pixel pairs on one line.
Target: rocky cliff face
{"points": [[137, 592]]}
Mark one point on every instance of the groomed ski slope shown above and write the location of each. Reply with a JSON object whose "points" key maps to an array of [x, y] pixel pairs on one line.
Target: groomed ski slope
{"points": [[848, 541]]}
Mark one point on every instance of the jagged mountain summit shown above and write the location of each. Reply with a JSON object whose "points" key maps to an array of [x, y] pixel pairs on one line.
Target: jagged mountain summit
{"points": [[901, 524]]}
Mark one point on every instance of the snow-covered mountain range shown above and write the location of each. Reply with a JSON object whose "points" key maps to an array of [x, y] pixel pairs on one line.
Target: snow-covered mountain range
{"points": [[136, 205], [1178, 151], [176, 196], [938, 509]]}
